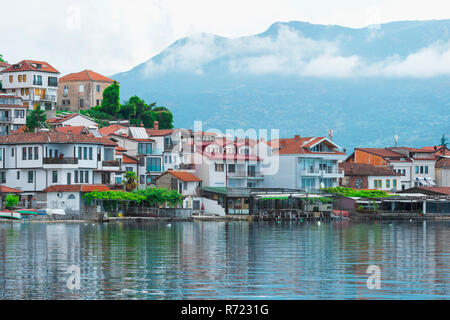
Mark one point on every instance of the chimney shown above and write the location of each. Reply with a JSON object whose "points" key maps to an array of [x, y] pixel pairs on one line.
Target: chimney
{"points": [[296, 137], [155, 125], [142, 125]]}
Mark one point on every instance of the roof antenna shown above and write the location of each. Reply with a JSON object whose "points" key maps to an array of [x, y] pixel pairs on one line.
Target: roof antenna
{"points": [[330, 134], [396, 139]]}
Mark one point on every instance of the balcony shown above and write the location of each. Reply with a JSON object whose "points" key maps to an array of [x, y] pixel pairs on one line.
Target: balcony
{"points": [[64, 160], [6, 119], [244, 174], [111, 163]]}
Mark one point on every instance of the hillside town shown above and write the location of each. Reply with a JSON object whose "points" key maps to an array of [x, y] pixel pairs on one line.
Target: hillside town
{"points": [[53, 167]]}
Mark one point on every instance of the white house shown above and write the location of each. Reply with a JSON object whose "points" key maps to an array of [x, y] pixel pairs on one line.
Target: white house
{"points": [[36, 82], [32, 162], [12, 113], [307, 163], [72, 119]]}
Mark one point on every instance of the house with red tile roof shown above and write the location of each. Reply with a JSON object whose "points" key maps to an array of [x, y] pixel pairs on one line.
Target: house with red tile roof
{"points": [[366, 176], [442, 172], [307, 163], [186, 183], [113, 128], [72, 119], [34, 161], [417, 165], [82, 90], [35, 82], [76, 130], [12, 113]]}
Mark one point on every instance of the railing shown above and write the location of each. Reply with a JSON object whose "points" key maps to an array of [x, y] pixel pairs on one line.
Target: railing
{"points": [[64, 160], [111, 163], [49, 98], [244, 174], [168, 146], [6, 119], [184, 166]]}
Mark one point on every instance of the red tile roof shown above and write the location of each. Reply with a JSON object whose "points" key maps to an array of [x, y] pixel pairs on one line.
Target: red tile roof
{"points": [[438, 190], [159, 132], [4, 64], [63, 118], [443, 163], [77, 130], [119, 148], [85, 75], [362, 169], [53, 137], [383, 152], [76, 188], [182, 175], [106, 131], [4, 189], [27, 65], [300, 145], [127, 159], [226, 156]]}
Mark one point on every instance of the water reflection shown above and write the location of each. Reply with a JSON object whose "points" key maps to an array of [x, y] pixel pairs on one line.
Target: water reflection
{"points": [[219, 260]]}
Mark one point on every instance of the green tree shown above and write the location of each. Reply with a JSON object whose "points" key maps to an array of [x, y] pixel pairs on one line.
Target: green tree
{"points": [[111, 100], [130, 181], [444, 141], [128, 110], [11, 201], [165, 119], [35, 117], [1, 59]]}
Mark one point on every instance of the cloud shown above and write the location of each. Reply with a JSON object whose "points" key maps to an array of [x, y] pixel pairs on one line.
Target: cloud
{"points": [[290, 53]]}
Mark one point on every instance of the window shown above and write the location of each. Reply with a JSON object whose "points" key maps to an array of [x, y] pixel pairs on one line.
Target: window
{"points": [[30, 176], [18, 175], [20, 78], [98, 88], [90, 153], [141, 179], [12, 152], [37, 80], [79, 153], [22, 113], [145, 148], [24, 153], [3, 177], [22, 92], [426, 169], [98, 102], [30, 153], [52, 81], [219, 167], [403, 172], [81, 88], [231, 168], [142, 162], [153, 164], [76, 176], [394, 183], [388, 183], [184, 185], [417, 169], [86, 176], [50, 153], [81, 176], [85, 153], [10, 79], [81, 103], [69, 178], [36, 153], [421, 169], [24, 78], [129, 169], [54, 176], [27, 91]]}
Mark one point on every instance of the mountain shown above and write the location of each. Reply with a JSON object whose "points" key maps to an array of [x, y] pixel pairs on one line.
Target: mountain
{"points": [[366, 84]]}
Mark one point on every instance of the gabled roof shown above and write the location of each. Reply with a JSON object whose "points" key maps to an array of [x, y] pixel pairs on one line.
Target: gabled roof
{"points": [[85, 75], [29, 65], [106, 131], [128, 159], [4, 64], [301, 145], [77, 130], [77, 188], [443, 163], [67, 117], [4, 189], [430, 190], [53, 137], [382, 152], [362, 169], [182, 175], [159, 132]]}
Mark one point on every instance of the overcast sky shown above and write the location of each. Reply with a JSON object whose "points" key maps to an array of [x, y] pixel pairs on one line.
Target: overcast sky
{"points": [[110, 36]]}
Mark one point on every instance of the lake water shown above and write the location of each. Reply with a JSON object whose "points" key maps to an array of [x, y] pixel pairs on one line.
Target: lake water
{"points": [[225, 260]]}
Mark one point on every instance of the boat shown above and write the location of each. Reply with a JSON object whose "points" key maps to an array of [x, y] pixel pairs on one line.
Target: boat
{"points": [[10, 215], [28, 212], [340, 214]]}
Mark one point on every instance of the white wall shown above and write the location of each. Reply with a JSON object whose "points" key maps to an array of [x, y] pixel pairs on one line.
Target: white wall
{"points": [[63, 202]]}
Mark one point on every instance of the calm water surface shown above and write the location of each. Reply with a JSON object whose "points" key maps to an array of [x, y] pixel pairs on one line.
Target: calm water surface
{"points": [[226, 260]]}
